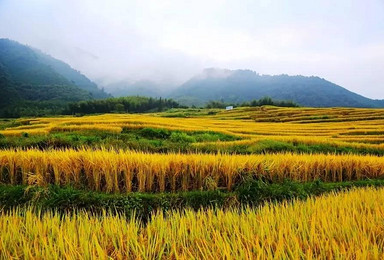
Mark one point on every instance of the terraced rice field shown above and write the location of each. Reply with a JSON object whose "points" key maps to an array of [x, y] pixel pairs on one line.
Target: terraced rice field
{"points": [[128, 171], [338, 126], [154, 162], [344, 226]]}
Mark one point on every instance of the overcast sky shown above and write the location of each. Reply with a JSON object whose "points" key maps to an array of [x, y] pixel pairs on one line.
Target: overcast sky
{"points": [[165, 40]]}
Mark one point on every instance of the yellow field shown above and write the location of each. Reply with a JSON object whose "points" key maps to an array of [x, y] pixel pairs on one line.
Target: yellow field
{"points": [[336, 126], [344, 226], [127, 171], [337, 226]]}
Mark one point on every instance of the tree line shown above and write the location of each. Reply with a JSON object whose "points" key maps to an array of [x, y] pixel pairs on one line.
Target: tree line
{"points": [[132, 104], [265, 101]]}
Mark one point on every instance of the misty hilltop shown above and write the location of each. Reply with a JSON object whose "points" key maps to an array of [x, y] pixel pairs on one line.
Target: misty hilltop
{"points": [[236, 86], [29, 75]]}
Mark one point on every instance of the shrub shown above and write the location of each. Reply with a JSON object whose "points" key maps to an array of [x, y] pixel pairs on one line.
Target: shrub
{"points": [[153, 133], [180, 137]]}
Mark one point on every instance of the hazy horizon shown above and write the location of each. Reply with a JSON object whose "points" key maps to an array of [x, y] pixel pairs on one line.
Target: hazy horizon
{"points": [[171, 41]]}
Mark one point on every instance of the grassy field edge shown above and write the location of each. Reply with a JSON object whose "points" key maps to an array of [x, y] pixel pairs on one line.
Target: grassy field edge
{"points": [[252, 192]]}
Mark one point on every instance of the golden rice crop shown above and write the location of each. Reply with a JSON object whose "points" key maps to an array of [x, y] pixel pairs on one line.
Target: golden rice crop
{"points": [[126, 171], [19, 132], [322, 125], [337, 226], [84, 127]]}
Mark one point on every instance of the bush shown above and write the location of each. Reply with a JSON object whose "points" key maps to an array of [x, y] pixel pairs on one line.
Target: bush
{"points": [[211, 136], [254, 191], [180, 137], [152, 133]]}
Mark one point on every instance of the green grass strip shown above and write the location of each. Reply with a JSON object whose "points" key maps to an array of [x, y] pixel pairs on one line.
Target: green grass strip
{"points": [[251, 192]]}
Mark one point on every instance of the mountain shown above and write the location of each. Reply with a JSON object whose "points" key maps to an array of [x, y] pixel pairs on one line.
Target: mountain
{"points": [[28, 75], [31, 81], [7, 88], [244, 85]]}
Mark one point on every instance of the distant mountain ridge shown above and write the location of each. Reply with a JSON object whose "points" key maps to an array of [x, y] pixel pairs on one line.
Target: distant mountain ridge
{"points": [[27, 74], [244, 85]]}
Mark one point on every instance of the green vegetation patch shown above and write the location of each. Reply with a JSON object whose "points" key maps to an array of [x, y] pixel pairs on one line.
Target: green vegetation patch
{"points": [[273, 146], [251, 192], [8, 123], [190, 112], [145, 139], [181, 136]]}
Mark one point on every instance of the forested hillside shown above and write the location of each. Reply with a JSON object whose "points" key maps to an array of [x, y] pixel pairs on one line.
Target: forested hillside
{"points": [[33, 83]]}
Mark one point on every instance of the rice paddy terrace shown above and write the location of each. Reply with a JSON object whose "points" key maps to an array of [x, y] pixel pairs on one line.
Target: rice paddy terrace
{"points": [[194, 183], [350, 125]]}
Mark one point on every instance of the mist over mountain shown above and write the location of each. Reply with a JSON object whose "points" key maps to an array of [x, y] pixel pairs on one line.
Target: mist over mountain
{"points": [[137, 40], [237, 86], [27, 74], [147, 88]]}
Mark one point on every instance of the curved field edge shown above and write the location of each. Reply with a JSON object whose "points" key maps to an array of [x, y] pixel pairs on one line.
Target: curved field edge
{"points": [[347, 225]]}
